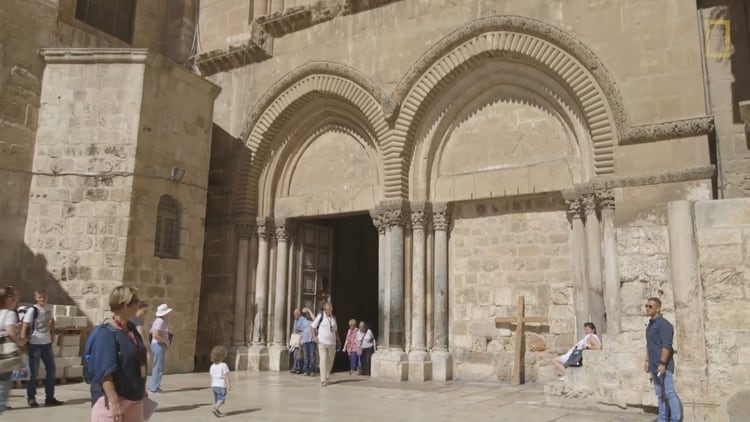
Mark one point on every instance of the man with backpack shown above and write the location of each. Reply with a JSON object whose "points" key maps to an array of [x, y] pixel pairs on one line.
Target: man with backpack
{"points": [[39, 329]]}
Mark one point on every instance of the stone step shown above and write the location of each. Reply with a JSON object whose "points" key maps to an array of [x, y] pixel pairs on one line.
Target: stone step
{"points": [[607, 377]]}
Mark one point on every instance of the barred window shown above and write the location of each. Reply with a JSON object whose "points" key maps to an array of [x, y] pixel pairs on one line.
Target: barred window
{"points": [[115, 17], [167, 238]]}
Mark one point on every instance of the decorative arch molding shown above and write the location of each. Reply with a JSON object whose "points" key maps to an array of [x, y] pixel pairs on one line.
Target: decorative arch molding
{"points": [[298, 88], [521, 38], [321, 117]]}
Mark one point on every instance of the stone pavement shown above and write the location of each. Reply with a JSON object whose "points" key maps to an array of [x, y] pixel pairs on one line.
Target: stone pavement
{"points": [[284, 397]]}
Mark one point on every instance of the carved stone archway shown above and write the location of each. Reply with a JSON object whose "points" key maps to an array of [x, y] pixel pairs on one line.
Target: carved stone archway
{"points": [[537, 43], [298, 88]]}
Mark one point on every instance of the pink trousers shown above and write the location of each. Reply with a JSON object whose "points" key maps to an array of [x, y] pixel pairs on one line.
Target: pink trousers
{"points": [[132, 411]]}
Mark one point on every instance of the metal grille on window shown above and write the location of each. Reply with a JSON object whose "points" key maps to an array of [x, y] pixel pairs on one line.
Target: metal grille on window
{"points": [[167, 238]]}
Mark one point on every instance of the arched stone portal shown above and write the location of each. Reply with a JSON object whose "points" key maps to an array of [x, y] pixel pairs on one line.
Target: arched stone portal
{"points": [[463, 180]]}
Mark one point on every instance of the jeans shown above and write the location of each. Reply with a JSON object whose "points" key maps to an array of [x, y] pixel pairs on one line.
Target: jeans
{"points": [[220, 394], [672, 400], [309, 350], [157, 350], [6, 384], [365, 360], [297, 361], [43, 352], [353, 361]]}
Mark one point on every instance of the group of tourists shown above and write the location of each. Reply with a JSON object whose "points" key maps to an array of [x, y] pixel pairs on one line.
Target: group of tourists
{"points": [[116, 355], [310, 331]]}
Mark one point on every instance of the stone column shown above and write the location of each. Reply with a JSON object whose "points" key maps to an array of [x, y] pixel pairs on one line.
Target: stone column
{"points": [[243, 229], [279, 353], [442, 360], [420, 367], [392, 364], [260, 8], [594, 250], [580, 277], [258, 354], [277, 6], [611, 273], [688, 293], [379, 223]]}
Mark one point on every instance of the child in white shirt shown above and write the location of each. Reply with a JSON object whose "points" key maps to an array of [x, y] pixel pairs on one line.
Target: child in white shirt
{"points": [[219, 378]]}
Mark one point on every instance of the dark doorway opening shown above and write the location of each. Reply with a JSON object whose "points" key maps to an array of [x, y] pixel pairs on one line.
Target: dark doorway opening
{"points": [[353, 287]]}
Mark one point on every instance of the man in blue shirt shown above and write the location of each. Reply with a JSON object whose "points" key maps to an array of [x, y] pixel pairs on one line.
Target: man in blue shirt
{"points": [[659, 362]]}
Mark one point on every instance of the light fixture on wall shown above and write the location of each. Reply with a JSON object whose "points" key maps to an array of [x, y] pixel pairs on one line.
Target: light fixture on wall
{"points": [[177, 173]]}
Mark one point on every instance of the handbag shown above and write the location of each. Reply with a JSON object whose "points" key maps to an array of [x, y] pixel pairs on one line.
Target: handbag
{"points": [[10, 353], [295, 340], [575, 359]]}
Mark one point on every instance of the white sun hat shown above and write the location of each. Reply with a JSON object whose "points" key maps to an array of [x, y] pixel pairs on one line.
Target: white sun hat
{"points": [[162, 310]]}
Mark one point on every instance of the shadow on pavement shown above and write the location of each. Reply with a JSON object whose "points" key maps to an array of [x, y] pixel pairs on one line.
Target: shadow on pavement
{"points": [[181, 408], [179, 390], [240, 412]]}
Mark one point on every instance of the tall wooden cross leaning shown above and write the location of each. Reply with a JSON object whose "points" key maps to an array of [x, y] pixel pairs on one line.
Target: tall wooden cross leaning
{"points": [[520, 321]]}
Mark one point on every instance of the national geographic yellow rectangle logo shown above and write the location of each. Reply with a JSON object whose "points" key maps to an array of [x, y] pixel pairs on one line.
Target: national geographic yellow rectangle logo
{"points": [[718, 39]]}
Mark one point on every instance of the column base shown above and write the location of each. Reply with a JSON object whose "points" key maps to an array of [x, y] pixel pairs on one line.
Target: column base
{"points": [[257, 358], [389, 365], [442, 365], [279, 358], [420, 366], [238, 358]]}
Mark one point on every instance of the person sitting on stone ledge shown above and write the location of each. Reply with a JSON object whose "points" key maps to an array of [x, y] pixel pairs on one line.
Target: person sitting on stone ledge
{"points": [[589, 341]]}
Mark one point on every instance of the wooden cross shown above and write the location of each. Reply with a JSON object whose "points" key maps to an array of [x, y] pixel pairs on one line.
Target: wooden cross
{"points": [[520, 321]]}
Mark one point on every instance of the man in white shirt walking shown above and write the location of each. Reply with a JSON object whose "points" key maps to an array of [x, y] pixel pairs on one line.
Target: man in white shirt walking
{"points": [[325, 333], [39, 328]]}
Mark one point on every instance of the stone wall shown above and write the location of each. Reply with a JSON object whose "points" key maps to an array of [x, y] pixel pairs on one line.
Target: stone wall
{"points": [[501, 249], [25, 27], [723, 235], [103, 158]]}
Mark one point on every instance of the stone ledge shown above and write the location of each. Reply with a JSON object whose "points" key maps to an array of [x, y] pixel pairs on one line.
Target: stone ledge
{"points": [[290, 20], [745, 112], [257, 48], [668, 130]]}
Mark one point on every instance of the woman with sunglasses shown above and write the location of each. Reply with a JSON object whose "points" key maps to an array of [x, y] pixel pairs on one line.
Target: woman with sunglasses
{"points": [[118, 363], [589, 341]]}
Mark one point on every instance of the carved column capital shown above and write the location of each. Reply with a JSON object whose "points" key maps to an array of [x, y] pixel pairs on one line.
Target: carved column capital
{"points": [[420, 214], [377, 221], [606, 199], [265, 227], [590, 202], [394, 212], [282, 229], [575, 208], [244, 227], [441, 216]]}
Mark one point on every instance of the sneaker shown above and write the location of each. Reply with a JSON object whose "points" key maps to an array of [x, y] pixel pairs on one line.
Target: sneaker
{"points": [[158, 390], [324, 383], [32, 402], [217, 413], [52, 402]]}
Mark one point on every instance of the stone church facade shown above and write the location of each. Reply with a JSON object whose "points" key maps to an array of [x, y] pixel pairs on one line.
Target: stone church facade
{"points": [[422, 164]]}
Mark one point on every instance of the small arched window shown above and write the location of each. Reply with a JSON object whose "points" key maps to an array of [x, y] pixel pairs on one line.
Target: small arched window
{"points": [[167, 238]]}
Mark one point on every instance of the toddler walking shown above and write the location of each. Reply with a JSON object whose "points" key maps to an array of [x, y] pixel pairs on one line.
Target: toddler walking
{"points": [[219, 378]]}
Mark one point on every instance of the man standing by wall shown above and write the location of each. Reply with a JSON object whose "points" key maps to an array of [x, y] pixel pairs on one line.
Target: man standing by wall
{"points": [[659, 362], [39, 328]]}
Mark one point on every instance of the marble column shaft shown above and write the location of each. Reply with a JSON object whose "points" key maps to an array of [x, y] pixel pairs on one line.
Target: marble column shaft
{"points": [[395, 219], [580, 276], [261, 281], [419, 216], [594, 251], [282, 270], [243, 230], [379, 223], [611, 272], [440, 222], [687, 290]]}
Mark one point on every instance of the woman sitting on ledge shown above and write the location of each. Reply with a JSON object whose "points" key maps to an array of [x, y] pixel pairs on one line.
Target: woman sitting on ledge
{"points": [[590, 341]]}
